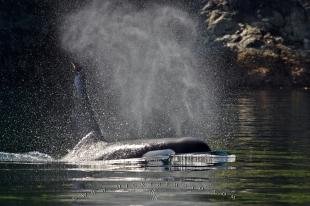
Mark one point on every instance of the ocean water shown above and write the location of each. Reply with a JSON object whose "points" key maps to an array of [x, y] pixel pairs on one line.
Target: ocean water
{"points": [[267, 131]]}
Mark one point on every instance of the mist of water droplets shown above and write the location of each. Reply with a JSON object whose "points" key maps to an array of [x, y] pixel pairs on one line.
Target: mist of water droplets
{"points": [[143, 65]]}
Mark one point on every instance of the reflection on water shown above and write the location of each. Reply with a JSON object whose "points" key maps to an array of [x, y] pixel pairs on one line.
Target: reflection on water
{"points": [[267, 130]]}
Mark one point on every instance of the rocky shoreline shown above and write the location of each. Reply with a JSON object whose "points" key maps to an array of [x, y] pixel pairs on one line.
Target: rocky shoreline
{"points": [[267, 42]]}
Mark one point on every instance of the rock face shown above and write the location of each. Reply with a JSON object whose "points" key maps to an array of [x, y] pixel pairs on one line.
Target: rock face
{"points": [[268, 40]]}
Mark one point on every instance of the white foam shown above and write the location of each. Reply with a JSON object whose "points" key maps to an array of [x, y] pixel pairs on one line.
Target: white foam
{"points": [[25, 157]]}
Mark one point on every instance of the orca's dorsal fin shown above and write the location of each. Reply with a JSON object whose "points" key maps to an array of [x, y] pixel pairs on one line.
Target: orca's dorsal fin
{"points": [[86, 109], [86, 140]]}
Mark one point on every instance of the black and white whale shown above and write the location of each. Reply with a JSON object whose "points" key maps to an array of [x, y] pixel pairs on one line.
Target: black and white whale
{"points": [[94, 146]]}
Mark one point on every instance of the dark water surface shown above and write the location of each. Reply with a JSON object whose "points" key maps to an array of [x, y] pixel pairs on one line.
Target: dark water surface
{"points": [[268, 131]]}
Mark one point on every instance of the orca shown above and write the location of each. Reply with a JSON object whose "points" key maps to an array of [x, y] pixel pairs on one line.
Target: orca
{"points": [[93, 146]]}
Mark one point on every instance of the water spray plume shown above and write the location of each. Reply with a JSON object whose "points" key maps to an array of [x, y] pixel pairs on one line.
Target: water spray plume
{"points": [[146, 57]]}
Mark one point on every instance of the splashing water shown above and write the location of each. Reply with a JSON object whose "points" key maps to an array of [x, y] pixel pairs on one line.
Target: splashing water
{"points": [[25, 157], [144, 66]]}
